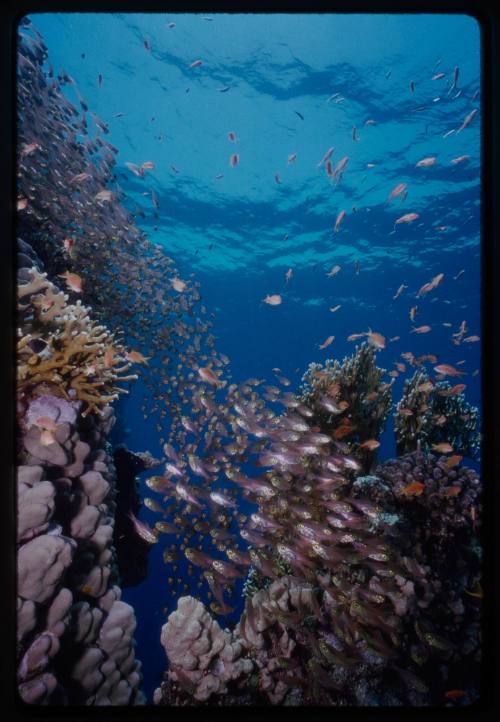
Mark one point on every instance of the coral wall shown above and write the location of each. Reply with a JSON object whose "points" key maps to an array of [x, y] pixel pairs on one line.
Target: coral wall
{"points": [[74, 634]]}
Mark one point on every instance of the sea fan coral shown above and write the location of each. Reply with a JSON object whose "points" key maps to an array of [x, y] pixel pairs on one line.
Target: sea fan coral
{"points": [[61, 349]]}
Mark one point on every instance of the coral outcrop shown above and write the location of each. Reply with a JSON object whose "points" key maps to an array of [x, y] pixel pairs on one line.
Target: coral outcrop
{"points": [[431, 413], [349, 400], [75, 636], [61, 349]]}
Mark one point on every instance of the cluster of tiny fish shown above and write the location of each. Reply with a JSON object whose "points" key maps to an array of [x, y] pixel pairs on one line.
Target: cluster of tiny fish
{"points": [[304, 517]]}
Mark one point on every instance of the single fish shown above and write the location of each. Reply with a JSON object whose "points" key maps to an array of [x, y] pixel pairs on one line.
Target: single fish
{"points": [[421, 329], [414, 489], [426, 162], [339, 220], [397, 191], [328, 341], [234, 160], [447, 370], [73, 281], [399, 291], [406, 218], [273, 300], [327, 155], [143, 530], [467, 120], [333, 271], [196, 64], [178, 285]]}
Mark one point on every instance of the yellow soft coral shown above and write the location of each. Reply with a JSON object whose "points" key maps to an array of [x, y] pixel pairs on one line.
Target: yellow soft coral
{"points": [[73, 347]]}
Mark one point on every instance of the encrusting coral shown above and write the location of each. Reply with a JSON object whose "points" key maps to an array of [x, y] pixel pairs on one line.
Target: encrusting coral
{"points": [[62, 349]]}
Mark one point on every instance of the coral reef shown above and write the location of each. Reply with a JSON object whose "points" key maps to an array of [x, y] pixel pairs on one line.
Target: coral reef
{"points": [[349, 400], [431, 413], [62, 350], [361, 636], [75, 642]]}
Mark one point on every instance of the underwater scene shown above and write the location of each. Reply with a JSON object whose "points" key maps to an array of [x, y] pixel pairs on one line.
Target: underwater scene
{"points": [[248, 359]]}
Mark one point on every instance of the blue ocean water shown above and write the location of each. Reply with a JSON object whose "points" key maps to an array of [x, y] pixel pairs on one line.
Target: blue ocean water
{"points": [[292, 85]]}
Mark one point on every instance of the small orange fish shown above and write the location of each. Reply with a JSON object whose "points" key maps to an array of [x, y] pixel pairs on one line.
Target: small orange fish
{"points": [[413, 313], [339, 220], [395, 338], [421, 329], [234, 160], [413, 489], [22, 204], [325, 157], [447, 370], [73, 281], [406, 218], [375, 339], [454, 694], [327, 342], [460, 159], [426, 162], [148, 165], [207, 374], [443, 448], [355, 336], [273, 300], [393, 374], [452, 491], [457, 389], [440, 420], [426, 386], [136, 357], [396, 191], [343, 431], [453, 461], [179, 285], [471, 339], [371, 444]]}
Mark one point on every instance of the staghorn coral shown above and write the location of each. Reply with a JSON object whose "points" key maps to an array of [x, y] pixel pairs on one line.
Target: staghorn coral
{"points": [[72, 362], [429, 414], [349, 399]]}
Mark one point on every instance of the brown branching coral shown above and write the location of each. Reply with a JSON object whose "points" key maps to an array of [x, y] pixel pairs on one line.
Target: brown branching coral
{"points": [[431, 413], [349, 399], [62, 349]]}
